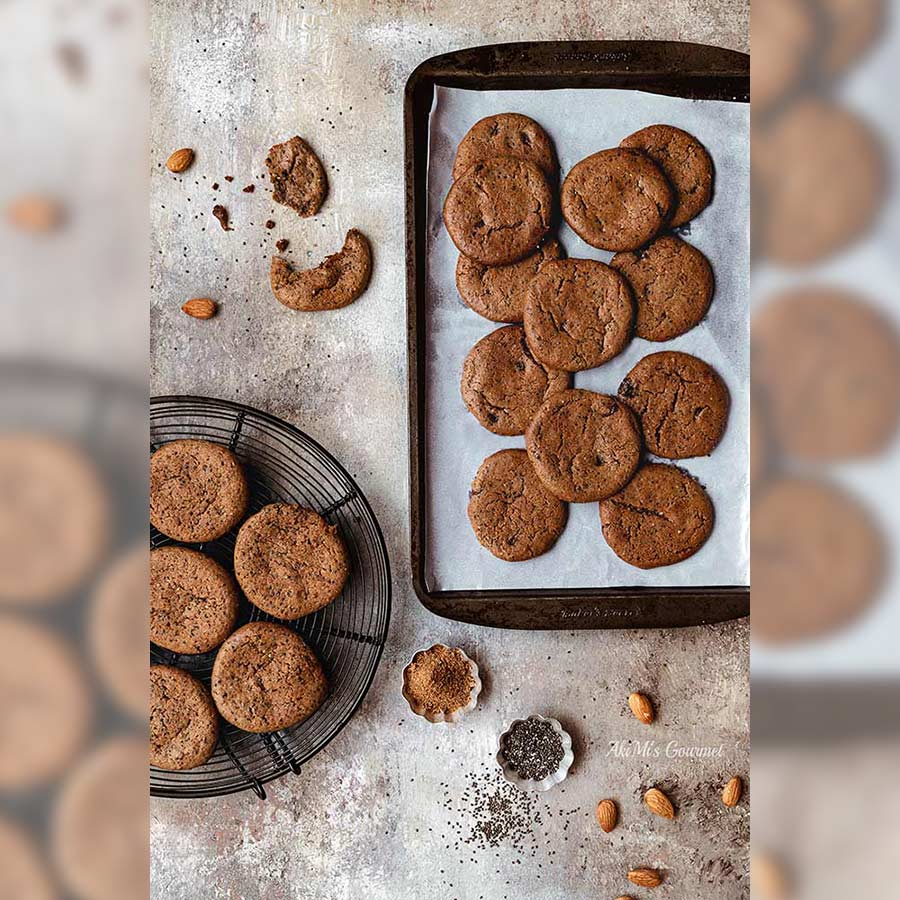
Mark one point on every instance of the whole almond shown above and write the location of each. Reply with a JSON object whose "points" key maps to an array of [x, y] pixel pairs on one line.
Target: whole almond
{"points": [[768, 876], [607, 815], [180, 160], [35, 213], [659, 804], [200, 308], [731, 793], [624, 897], [641, 707], [648, 878]]}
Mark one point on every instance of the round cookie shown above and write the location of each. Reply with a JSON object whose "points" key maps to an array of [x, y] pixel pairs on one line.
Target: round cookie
{"points": [[853, 27], [289, 561], [673, 287], [198, 490], [681, 401], [184, 725], [193, 600], [512, 514], [298, 177], [616, 199], [578, 314], [23, 875], [503, 385], [584, 446], [498, 292], [818, 560], [505, 134], [288, 684], [498, 210], [661, 517], [684, 161], [828, 367], [54, 519]]}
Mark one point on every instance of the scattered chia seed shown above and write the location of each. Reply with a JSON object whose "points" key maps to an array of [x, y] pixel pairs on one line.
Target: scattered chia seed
{"points": [[533, 749]]}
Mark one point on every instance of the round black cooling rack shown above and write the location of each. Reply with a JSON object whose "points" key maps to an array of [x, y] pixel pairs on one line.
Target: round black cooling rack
{"points": [[348, 636]]}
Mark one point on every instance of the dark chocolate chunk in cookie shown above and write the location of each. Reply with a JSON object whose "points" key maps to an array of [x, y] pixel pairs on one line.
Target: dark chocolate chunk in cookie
{"points": [[298, 177]]}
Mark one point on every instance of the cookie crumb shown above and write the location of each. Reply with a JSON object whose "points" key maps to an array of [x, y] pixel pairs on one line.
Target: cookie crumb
{"points": [[215, 185], [229, 178], [282, 244], [221, 214], [270, 223], [250, 189]]}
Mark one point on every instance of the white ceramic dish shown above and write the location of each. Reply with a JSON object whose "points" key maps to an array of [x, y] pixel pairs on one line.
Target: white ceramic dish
{"points": [[554, 778], [442, 716]]}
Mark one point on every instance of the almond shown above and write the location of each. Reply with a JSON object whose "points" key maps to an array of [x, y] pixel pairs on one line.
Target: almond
{"points": [[624, 897], [35, 213], [731, 793], [180, 160], [200, 308], [607, 815], [648, 878], [767, 875], [659, 804], [641, 707]]}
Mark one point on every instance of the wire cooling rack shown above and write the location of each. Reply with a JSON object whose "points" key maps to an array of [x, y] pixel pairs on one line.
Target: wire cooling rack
{"points": [[348, 636]]}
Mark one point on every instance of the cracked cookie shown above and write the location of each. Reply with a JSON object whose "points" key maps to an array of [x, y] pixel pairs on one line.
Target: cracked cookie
{"points": [[503, 385], [289, 561], [512, 514], [336, 282], [198, 490], [184, 725], [498, 210], [505, 134], [578, 314], [673, 287], [298, 177], [193, 600], [684, 161], [681, 401], [616, 199], [498, 292], [266, 678], [584, 446], [661, 517]]}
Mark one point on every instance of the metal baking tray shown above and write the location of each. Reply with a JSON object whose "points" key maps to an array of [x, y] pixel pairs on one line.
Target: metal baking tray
{"points": [[665, 67]]}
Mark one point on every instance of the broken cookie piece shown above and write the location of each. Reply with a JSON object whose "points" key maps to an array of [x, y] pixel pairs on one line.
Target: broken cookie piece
{"points": [[336, 282], [298, 177]]}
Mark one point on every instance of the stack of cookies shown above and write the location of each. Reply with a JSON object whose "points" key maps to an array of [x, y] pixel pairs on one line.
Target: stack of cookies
{"points": [[562, 316], [288, 562]]}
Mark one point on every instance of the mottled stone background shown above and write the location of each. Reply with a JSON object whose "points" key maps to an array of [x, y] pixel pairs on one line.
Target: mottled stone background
{"points": [[377, 814]]}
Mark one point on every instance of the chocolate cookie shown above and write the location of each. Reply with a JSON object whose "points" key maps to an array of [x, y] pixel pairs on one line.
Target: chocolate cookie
{"points": [[24, 874], [853, 26], [184, 725], [298, 177], [785, 40], [498, 210], [334, 283], [818, 559], [498, 292], [288, 684], [661, 517], [684, 161], [198, 490], [505, 134], [828, 366], [681, 401], [584, 446], [512, 514], [616, 199], [503, 385], [673, 286], [578, 314], [289, 561], [193, 600]]}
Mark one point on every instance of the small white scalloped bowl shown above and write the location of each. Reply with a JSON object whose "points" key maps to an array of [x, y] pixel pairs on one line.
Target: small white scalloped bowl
{"points": [[554, 778], [441, 715]]}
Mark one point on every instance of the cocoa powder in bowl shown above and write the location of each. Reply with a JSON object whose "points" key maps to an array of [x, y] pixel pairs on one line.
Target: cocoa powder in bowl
{"points": [[439, 679]]}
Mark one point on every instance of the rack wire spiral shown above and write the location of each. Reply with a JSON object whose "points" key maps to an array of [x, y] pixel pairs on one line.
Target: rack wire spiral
{"points": [[348, 636]]}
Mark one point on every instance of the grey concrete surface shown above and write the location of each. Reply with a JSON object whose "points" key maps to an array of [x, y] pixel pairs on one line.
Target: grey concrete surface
{"points": [[379, 813]]}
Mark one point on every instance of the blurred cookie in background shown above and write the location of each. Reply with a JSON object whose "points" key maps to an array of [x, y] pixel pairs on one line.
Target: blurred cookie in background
{"points": [[851, 28]]}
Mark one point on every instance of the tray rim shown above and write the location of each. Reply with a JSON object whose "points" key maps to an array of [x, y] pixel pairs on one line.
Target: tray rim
{"points": [[545, 65]]}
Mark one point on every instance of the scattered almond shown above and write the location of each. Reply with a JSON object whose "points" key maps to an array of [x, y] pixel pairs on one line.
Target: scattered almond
{"points": [[607, 815], [200, 308], [731, 793], [641, 707], [624, 897], [180, 160], [659, 804], [32, 212], [648, 878], [768, 877]]}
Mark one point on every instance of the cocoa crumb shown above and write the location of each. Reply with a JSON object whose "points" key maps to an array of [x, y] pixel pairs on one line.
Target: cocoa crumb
{"points": [[215, 186], [282, 244], [229, 178], [440, 679], [221, 214], [270, 223], [250, 189]]}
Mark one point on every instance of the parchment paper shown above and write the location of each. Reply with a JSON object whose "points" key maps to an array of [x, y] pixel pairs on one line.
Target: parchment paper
{"points": [[580, 122]]}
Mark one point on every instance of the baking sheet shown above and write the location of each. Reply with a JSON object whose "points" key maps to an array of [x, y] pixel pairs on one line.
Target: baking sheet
{"points": [[580, 122]]}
